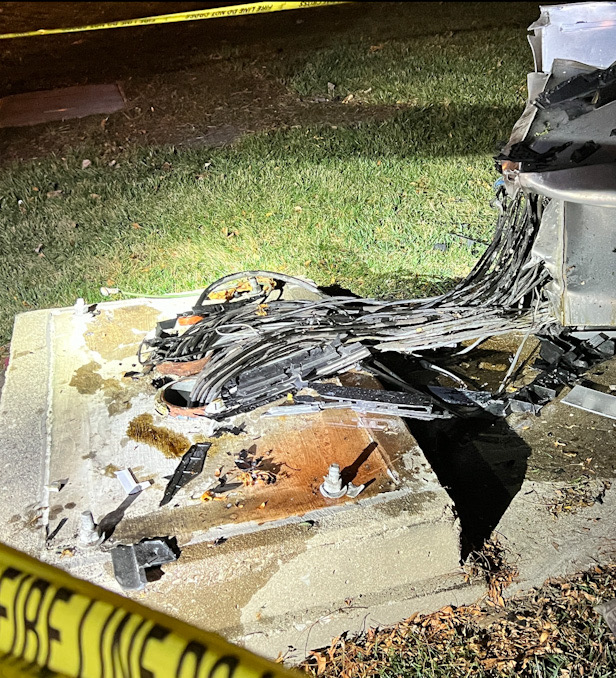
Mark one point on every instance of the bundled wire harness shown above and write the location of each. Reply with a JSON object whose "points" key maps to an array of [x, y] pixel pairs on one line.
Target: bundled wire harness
{"points": [[255, 345]]}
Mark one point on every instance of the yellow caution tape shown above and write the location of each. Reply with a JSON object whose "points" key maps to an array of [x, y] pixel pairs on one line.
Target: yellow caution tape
{"points": [[213, 13], [53, 624]]}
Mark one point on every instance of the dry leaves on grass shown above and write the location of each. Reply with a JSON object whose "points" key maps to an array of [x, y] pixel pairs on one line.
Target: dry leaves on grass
{"points": [[553, 630]]}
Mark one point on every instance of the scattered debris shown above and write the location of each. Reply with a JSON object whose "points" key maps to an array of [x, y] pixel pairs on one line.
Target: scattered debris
{"points": [[190, 467], [551, 630], [491, 563], [52, 535], [130, 563], [582, 494], [129, 482], [253, 469], [88, 534]]}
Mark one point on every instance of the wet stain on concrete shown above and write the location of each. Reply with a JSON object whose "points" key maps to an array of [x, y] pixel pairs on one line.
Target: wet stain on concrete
{"points": [[171, 444], [117, 395], [117, 334], [110, 470], [86, 379], [55, 511]]}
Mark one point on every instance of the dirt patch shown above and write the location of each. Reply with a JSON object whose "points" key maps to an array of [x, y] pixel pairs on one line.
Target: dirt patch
{"points": [[171, 444], [209, 106]]}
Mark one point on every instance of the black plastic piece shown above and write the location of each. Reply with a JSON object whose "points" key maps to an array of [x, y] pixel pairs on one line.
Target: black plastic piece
{"points": [[190, 467]]}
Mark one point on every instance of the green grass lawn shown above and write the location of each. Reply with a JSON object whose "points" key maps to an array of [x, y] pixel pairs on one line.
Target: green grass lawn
{"points": [[361, 205]]}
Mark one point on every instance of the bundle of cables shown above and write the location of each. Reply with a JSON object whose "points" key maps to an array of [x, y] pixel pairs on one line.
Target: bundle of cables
{"points": [[255, 343]]}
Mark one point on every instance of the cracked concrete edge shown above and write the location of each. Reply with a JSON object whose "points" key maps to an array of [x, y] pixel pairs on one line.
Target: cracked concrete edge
{"points": [[23, 436], [544, 547]]}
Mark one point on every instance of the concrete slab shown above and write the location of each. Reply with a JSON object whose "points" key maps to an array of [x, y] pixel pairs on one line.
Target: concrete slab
{"points": [[271, 566], [34, 108]]}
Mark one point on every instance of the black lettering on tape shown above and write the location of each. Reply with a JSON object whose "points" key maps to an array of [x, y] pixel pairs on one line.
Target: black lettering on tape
{"points": [[9, 573], [198, 651], [16, 616], [116, 656], [30, 623], [157, 632], [62, 595], [230, 662]]}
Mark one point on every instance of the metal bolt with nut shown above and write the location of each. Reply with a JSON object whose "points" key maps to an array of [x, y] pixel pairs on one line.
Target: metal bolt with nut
{"points": [[332, 483]]}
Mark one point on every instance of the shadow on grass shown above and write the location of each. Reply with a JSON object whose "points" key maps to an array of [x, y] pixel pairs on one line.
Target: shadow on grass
{"points": [[430, 131], [104, 56]]}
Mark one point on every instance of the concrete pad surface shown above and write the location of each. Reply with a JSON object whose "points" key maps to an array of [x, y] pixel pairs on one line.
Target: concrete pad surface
{"points": [[262, 574]]}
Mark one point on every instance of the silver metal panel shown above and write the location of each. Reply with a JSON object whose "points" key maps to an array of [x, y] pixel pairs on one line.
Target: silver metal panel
{"points": [[591, 401], [590, 185], [589, 266], [583, 31]]}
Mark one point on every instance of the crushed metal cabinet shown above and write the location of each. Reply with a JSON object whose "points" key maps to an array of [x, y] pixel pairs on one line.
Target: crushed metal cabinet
{"points": [[577, 242], [563, 149]]}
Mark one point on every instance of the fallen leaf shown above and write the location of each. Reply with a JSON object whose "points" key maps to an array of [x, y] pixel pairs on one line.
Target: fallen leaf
{"points": [[321, 662], [135, 225], [54, 194]]}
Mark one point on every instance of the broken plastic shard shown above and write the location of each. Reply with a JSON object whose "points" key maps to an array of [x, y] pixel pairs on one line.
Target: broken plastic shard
{"points": [[57, 485], [129, 482], [414, 405], [190, 467]]}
